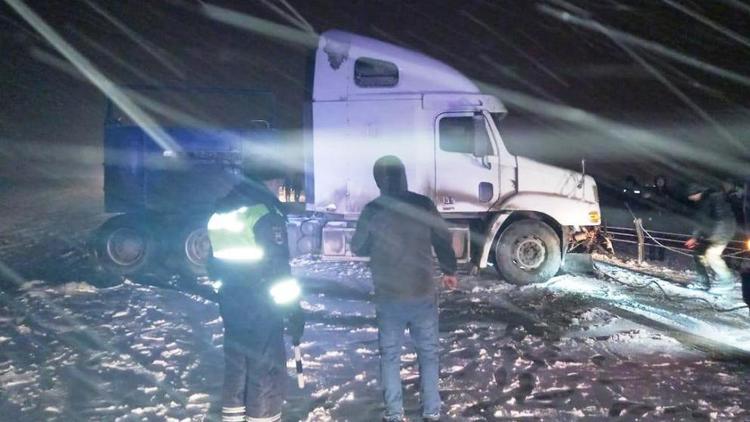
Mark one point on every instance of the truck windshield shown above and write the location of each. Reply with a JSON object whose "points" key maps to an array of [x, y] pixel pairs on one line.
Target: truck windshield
{"points": [[204, 108]]}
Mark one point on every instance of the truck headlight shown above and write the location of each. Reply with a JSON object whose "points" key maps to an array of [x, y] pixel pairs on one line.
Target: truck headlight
{"points": [[594, 217], [285, 291]]}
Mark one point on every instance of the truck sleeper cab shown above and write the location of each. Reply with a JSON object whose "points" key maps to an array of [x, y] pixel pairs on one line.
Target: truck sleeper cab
{"points": [[372, 99]]}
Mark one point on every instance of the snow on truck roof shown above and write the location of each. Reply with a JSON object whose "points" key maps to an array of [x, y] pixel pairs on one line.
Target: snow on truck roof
{"points": [[350, 65]]}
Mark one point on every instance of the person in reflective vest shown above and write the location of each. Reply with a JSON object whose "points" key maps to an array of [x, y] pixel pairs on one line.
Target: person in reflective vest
{"points": [[250, 260]]}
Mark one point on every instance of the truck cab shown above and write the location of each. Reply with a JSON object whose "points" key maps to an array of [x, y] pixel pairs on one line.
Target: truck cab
{"points": [[372, 99]]}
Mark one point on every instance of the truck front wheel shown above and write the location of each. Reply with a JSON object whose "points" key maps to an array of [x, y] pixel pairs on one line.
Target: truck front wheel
{"points": [[528, 251]]}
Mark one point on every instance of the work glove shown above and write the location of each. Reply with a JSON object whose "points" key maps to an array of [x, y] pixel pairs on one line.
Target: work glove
{"points": [[296, 325], [691, 243], [450, 282]]}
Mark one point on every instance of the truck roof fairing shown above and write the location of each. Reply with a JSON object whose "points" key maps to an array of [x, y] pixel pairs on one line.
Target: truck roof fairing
{"points": [[338, 51]]}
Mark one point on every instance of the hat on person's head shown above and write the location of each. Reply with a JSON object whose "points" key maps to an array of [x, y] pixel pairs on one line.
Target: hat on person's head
{"points": [[694, 188], [390, 175]]}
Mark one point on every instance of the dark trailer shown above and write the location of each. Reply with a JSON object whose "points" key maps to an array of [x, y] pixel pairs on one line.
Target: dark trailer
{"points": [[162, 197]]}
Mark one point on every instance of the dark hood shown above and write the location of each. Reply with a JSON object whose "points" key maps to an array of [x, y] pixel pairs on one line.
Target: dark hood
{"points": [[390, 175]]}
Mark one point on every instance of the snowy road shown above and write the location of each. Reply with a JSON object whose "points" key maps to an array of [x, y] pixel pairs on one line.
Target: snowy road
{"points": [[74, 352], [561, 351]]}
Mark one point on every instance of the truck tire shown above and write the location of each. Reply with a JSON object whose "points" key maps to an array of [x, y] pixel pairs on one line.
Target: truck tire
{"points": [[191, 247], [125, 245], [528, 251]]}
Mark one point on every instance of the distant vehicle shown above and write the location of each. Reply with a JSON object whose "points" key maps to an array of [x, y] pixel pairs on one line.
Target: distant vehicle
{"points": [[369, 99]]}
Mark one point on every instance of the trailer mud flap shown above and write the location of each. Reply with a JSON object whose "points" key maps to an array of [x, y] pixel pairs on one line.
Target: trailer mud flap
{"points": [[578, 263]]}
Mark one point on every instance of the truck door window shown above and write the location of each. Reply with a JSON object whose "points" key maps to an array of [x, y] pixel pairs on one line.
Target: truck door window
{"points": [[374, 73], [464, 134]]}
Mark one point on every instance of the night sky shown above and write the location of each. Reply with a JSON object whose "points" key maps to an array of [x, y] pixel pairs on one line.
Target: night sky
{"points": [[672, 68]]}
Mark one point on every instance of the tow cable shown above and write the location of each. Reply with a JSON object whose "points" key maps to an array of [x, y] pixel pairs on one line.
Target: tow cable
{"points": [[601, 274]]}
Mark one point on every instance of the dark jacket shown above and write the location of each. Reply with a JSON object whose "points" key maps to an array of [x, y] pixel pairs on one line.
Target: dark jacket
{"points": [[714, 218], [398, 231], [746, 208]]}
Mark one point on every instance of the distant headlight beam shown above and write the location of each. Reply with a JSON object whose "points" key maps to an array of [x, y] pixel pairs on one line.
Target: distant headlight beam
{"points": [[261, 26]]}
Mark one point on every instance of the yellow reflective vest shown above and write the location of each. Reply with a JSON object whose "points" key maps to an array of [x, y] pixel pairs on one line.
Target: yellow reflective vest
{"points": [[232, 236]]}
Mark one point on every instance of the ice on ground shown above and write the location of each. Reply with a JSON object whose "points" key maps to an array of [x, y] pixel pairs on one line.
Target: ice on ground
{"points": [[77, 287], [688, 311]]}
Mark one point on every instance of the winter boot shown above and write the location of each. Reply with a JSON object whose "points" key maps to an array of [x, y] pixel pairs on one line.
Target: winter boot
{"points": [[722, 287], [699, 284]]}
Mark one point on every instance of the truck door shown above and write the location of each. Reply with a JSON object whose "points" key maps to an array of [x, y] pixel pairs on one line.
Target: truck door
{"points": [[466, 163]]}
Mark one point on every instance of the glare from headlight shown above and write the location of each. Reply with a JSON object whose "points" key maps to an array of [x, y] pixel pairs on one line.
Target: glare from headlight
{"points": [[247, 254], [285, 291], [229, 221]]}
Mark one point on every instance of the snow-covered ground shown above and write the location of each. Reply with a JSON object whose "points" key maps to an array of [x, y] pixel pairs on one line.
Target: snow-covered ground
{"points": [[573, 348], [75, 352]]}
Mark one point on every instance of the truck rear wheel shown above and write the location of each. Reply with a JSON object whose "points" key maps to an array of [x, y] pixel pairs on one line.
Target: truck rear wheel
{"points": [[126, 245], [528, 251], [191, 247]]}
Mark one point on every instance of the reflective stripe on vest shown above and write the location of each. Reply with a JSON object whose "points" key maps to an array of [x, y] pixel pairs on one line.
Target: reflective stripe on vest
{"points": [[231, 234], [273, 418]]}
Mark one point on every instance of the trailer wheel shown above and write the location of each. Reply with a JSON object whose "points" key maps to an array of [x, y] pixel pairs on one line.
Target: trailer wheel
{"points": [[126, 245], [528, 251], [191, 248]]}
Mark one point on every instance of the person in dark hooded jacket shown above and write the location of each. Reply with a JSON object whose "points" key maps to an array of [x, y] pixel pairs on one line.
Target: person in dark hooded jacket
{"points": [[745, 271], [250, 258], [715, 228], [398, 231]]}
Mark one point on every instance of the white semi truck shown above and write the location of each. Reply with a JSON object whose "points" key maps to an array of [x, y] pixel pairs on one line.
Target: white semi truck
{"points": [[371, 99]]}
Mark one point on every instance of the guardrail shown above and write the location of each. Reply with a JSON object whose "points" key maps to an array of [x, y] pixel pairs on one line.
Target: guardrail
{"points": [[674, 242]]}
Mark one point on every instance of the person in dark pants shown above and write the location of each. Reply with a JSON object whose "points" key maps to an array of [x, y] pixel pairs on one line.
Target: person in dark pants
{"points": [[657, 197], [655, 252], [250, 258], [398, 231], [745, 276], [715, 228], [745, 272]]}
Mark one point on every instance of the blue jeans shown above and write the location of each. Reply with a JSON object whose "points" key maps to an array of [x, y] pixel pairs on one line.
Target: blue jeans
{"points": [[421, 317]]}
